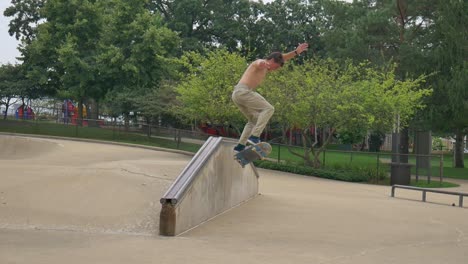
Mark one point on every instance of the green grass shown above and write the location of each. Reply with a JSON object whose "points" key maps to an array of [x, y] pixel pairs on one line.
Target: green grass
{"points": [[53, 129], [435, 183], [349, 174], [332, 158]]}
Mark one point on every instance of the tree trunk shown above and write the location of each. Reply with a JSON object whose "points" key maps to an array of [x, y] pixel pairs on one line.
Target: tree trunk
{"points": [[7, 105], [79, 119], [317, 163], [148, 125], [459, 149], [290, 136], [363, 143], [284, 138], [93, 113], [307, 160], [402, 18], [22, 107], [127, 121], [404, 143]]}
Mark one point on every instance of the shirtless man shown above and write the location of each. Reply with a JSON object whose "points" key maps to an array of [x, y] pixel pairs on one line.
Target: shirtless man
{"points": [[254, 107]]}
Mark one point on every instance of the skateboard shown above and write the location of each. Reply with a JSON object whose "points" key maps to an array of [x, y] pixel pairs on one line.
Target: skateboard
{"points": [[253, 152]]}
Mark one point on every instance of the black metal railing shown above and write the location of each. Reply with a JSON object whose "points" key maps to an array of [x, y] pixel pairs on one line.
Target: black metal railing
{"points": [[426, 190]]}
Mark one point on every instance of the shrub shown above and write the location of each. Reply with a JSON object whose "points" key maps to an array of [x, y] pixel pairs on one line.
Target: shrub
{"points": [[334, 174], [370, 173]]}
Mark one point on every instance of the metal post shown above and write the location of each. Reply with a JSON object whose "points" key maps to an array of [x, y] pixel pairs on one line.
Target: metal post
{"points": [[279, 153], [65, 115], [460, 202], [424, 196], [378, 162], [179, 139], [323, 159], [417, 168], [429, 171], [113, 130], [441, 169]]}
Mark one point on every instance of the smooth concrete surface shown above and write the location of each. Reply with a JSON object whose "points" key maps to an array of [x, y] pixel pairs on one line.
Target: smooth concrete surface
{"points": [[216, 186], [95, 203], [87, 187]]}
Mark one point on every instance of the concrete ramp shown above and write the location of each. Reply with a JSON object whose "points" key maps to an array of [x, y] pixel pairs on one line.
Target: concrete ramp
{"points": [[210, 184]]}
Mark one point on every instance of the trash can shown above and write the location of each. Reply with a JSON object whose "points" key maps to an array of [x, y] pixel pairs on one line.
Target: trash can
{"points": [[400, 173]]}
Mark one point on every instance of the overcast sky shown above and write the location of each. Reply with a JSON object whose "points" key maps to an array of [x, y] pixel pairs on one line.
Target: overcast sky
{"points": [[8, 44]]}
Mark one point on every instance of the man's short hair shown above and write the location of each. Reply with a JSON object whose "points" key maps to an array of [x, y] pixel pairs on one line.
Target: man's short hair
{"points": [[277, 57]]}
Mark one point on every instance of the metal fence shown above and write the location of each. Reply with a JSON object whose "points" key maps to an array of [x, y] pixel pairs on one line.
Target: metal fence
{"points": [[110, 130], [422, 166]]}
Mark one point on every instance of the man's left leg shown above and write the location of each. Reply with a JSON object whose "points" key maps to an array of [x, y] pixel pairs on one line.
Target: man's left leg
{"points": [[265, 111], [247, 131]]}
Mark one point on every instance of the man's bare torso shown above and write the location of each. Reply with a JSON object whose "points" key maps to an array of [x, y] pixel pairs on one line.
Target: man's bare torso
{"points": [[253, 75]]}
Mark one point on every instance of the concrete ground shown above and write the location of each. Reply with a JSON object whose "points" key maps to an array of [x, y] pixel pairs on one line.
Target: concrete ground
{"points": [[74, 202]]}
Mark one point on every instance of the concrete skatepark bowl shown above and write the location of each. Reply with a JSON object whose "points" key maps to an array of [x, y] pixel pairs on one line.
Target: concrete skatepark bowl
{"points": [[64, 201]]}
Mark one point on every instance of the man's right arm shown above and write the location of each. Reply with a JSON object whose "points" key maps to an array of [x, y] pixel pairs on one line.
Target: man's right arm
{"points": [[301, 48]]}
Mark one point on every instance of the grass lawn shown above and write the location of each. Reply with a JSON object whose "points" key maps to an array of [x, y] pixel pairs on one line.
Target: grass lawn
{"points": [[333, 158], [53, 129], [435, 183]]}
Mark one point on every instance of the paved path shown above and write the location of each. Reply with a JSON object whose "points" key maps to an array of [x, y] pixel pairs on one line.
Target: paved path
{"points": [[74, 202]]}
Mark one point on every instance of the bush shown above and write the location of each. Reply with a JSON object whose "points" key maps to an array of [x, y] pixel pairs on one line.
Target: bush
{"points": [[333, 174], [370, 173]]}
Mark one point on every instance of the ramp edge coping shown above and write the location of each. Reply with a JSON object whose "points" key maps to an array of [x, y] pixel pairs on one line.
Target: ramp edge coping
{"points": [[179, 187]]}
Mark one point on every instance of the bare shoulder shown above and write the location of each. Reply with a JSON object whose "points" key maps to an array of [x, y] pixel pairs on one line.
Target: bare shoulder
{"points": [[258, 64]]}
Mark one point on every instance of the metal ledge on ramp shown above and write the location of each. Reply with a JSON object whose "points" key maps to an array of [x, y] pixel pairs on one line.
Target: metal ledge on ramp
{"points": [[210, 184]]}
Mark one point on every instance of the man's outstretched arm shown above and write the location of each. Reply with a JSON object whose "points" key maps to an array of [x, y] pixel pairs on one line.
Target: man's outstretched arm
{"points": [[301, 48]]}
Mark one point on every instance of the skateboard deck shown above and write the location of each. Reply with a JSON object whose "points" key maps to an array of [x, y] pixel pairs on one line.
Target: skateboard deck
{"points": [[253, 152]]}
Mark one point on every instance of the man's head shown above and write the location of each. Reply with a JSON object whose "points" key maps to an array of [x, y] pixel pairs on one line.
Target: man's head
{"points": [[276, 60]]}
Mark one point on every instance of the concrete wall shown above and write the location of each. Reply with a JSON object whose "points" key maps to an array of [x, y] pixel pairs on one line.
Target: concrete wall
{"points": [[219, 184]]}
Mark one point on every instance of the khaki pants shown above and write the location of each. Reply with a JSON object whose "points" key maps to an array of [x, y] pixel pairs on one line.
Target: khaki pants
{"points": [[255, 108]]}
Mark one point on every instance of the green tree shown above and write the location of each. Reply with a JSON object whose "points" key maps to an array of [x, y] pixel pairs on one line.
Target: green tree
{"points": [[135, 48], [15, 84], [193, 19], [204, 95], [285, 23], [136, 53], [116, 104], [382, 32], [157, 102], [449, 105], [323, 94], [10, 79], [86, 48], [62, 55], [208, 25], [25, 17]]}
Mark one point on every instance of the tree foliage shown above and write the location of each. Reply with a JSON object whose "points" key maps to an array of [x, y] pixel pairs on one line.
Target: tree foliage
{"points": [[205, 93], [84, 49], [449, 105], [25, 17], [323, 94]]}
